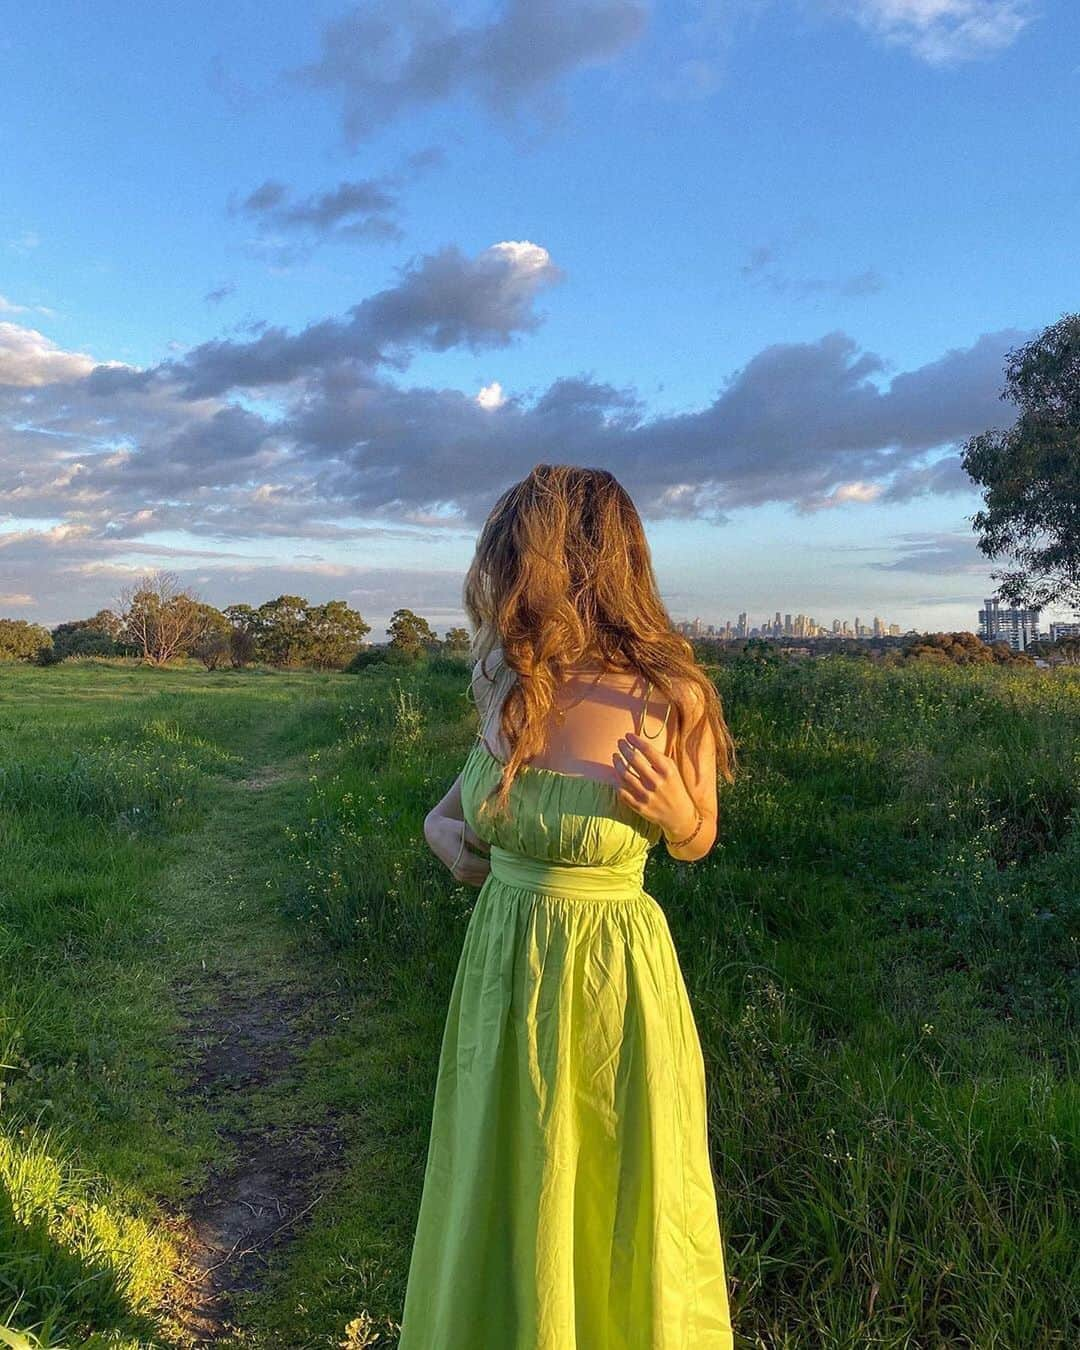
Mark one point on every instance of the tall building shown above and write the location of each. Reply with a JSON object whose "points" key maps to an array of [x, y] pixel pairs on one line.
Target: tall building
{"points": [[1017, 627], [1064, 630], [744, 625]]}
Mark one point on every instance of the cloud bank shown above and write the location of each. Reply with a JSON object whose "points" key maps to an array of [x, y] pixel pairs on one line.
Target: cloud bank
{"points": [[316, 435]]}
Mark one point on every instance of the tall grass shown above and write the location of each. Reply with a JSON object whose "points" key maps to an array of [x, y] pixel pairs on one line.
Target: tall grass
{"points": [[103, 770], [882, 953], [882, 956]]}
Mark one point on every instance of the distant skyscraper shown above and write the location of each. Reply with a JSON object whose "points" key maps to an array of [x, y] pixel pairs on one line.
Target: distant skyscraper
{"points": [[1018, 627]]}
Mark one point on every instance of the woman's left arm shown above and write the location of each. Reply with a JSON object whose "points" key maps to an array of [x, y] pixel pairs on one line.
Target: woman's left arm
{"points": [[453, 842]]}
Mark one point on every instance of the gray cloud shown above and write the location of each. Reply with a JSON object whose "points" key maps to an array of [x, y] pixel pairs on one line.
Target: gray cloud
{"points": [[441, 300], [386, 60], [941, 553], [764, 268], [219, 293], [356, 210], [812, 424], [359, 209], [335, 449]]}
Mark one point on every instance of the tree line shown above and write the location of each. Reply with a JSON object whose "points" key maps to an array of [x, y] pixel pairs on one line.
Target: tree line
{"points": [[156, 620]]}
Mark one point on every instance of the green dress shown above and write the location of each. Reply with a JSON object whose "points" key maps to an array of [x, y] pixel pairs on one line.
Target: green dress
{"points": [[568, 1201]]}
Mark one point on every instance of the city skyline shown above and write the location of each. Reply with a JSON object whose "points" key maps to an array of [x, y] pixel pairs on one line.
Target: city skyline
{"points": [[791, 623]]}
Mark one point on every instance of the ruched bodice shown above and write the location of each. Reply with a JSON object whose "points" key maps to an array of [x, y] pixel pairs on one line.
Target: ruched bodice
{"points": [[558, 817]]}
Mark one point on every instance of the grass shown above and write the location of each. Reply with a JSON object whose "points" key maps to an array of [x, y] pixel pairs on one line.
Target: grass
{"points": [[136, 873], [882, 957], [881, 952]]}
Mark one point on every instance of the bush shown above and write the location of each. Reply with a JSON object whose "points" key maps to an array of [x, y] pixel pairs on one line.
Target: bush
{"points": [[458, 663], [383, 656]]}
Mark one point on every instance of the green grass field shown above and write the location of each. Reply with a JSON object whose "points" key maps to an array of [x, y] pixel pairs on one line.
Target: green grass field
{"points": [[882, 951]]}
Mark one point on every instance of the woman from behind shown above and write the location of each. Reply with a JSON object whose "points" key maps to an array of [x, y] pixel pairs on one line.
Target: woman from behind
{"points": [[568, 1199]]}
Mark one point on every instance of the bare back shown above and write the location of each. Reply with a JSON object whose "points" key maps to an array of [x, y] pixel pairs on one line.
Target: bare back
{"points": [[582, 734]]}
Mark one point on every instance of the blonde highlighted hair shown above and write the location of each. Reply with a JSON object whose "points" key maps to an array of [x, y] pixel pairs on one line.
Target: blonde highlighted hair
{"points": [[563, 572]]}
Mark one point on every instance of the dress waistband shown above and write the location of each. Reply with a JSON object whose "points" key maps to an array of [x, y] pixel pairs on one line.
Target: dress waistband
{"points": [[585, 881]]}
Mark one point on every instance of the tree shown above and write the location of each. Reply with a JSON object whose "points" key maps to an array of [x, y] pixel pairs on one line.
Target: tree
{"points": [[962, 649], [335, 633], [106, 621], [457, 640], [244, 628], [1030, 473], [96, 636], [1065, 651], [409, 633], [1068, 648], [160, 618], [761, 651], [281, 630], [23, 641], [211, 641]]}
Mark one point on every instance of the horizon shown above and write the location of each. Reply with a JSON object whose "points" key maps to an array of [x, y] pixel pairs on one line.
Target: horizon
{"points": [[289, 297]]}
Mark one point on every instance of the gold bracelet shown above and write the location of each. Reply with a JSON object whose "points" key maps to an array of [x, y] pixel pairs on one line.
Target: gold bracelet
{"points": [[678, 843], [461, 848]]}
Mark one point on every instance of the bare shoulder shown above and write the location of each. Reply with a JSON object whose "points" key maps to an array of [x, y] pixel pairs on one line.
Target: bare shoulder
{"points": [[694, 741], [689, 703]]}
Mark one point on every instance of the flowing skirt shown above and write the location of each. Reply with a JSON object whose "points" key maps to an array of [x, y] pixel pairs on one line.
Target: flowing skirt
{"points": [[568, 1200]]}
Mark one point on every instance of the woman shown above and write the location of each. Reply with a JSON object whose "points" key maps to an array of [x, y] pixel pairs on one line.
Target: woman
{"points": [[568, 1201]]}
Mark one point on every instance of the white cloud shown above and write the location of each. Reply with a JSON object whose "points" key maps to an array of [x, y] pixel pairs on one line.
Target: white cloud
{"points": [[842, 494], [29, 359], [17, 599], [942, 32], [491, 396], [523, 255]]}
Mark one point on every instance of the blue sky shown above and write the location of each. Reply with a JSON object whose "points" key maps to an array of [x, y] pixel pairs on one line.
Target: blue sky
{"points": [[760, 258]]}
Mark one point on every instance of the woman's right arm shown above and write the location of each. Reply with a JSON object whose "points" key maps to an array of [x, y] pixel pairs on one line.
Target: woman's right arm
{"points": [[446, 830], [453, 842]]}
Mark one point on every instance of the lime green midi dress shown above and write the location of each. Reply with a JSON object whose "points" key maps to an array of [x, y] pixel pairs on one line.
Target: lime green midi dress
{"points": [[568, 1201]]}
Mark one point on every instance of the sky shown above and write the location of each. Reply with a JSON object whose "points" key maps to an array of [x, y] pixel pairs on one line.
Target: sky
{"points": [[289, 294]]}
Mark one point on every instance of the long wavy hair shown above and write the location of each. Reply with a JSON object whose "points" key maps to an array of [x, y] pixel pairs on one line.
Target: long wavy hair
{"points": [[563, 572]]}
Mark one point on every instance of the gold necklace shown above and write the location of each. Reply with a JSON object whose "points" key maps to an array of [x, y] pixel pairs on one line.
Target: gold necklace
{"points": [[560, 713]]}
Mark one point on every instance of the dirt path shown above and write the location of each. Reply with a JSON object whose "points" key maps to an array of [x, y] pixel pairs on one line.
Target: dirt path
{"points": [[253, 1004]]}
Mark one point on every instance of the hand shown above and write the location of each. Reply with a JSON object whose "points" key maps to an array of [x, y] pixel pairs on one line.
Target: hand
{"points": [[652, 784], [475, 862]]}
